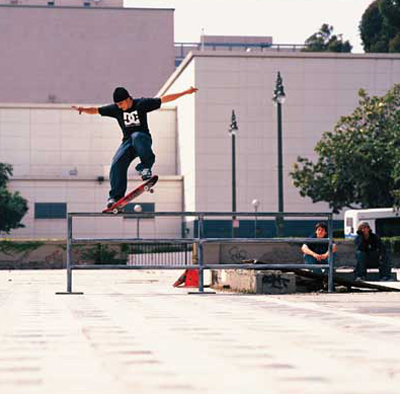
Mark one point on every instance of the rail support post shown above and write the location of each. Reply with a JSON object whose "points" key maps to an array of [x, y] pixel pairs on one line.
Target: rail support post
{"points": [[200, 258], [69, 262], [331, 287]]}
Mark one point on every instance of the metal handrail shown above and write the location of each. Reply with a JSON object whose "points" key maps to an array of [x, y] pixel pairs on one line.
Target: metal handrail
{"points": [[201, 213], [194, 240], [200, 241]]}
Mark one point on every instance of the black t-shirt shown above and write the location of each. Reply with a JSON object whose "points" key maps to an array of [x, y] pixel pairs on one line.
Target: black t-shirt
{"points": [[319, 248], [134, 118], [371, 244]]}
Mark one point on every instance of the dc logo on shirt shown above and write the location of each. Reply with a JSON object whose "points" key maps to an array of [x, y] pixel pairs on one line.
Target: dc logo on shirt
{"points": [[131, 119]]}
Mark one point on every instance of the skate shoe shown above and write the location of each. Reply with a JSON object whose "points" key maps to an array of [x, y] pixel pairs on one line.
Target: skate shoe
{"points": [[110, 202], [145, 174]]}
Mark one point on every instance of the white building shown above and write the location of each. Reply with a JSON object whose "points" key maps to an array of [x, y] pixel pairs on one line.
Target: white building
{"points": [[61, 163], [58, 53], [320, 88], [77, 51], [70, 52], [58, 156]]}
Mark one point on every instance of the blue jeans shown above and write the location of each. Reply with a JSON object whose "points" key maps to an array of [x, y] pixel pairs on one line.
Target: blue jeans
{"points": [[312, 260], [138, 145], [370, 260]]}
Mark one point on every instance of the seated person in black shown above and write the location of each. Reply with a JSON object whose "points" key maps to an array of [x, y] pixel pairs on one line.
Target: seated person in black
{"points": [[370, 252], [318, 253]]}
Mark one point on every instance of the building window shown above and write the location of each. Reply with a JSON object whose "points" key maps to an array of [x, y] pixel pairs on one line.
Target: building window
{"points": [[50, 210], [51, 3], [146, 208], [86, 4]]}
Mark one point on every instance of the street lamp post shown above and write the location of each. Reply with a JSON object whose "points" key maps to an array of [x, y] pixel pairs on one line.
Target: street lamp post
{"points": [[279, 99], [232, 130], [256, 204]]}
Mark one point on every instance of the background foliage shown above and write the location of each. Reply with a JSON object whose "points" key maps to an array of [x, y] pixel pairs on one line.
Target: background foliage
{"points": [[325, 41], [13, 206], [380, 26], [358, 164]]}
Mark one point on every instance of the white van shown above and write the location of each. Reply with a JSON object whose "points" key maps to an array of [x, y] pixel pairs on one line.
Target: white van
{"points": [[383, 221]]}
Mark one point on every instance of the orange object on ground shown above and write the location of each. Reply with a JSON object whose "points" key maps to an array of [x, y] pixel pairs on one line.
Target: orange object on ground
{"points": [[190, 278]]}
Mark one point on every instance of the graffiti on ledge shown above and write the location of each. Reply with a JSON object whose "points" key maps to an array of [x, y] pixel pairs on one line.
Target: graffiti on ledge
{"points": [[276, 281]]}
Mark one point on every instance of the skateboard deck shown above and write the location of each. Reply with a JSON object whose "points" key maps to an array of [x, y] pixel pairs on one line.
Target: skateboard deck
{"points": [[147, 186]]}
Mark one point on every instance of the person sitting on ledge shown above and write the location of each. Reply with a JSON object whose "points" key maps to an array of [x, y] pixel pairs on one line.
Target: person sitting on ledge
{"points": [[370, 252], [318, 253]]}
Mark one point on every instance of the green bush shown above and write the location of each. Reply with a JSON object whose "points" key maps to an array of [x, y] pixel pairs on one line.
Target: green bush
{"points": [[101, 254], [12, 248], [392, 244], [118, 254]]}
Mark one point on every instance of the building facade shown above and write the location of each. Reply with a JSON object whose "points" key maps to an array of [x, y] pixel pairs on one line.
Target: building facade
{"points": [[65, 3], [60, 157], [61, 164], [78, 54], [320, 88]]}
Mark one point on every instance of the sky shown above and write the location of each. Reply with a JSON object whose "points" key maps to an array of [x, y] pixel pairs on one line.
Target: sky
{"points": [[287, 21]]}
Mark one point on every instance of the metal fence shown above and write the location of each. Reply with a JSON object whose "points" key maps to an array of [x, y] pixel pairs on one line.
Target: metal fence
{"points": [[160, 254], [200, 241]]}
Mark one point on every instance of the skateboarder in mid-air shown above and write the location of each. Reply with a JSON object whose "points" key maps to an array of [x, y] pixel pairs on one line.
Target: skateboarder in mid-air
{"points": [[131, 114]]}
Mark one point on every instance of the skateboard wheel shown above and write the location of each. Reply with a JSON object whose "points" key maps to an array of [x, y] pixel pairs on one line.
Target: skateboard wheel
{"points": [[146, 188], [115, 211], [151, 190]]}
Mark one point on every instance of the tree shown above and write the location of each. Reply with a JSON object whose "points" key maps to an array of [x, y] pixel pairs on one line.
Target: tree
{"points": [[358, 164], [325, 41], [390, 10], [380, 26], [13, 206]]}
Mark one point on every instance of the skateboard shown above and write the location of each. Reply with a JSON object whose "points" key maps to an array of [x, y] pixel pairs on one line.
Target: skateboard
{"points": [[147, 186]]}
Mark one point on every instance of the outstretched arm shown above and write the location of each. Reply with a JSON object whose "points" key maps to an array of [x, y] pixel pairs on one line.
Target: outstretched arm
{"points": [[86, 110], [171, 97]]}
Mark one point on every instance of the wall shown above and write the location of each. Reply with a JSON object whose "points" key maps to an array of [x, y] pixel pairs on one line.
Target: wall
{"points": [[276, 253], [65, 3], [80, 54], [186, 121], [52, 140], [58, 155], [320, 88], [87, 195]]}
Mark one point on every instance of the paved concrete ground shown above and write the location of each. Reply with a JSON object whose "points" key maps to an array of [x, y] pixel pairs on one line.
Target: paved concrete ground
{"points": [[132, 332]]}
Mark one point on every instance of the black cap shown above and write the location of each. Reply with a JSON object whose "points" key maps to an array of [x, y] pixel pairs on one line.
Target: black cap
{"points": [[120, 94]]}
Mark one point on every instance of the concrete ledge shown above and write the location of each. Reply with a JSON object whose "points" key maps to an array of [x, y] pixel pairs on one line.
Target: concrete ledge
{"points": [[256, 282], [277, 282]]}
